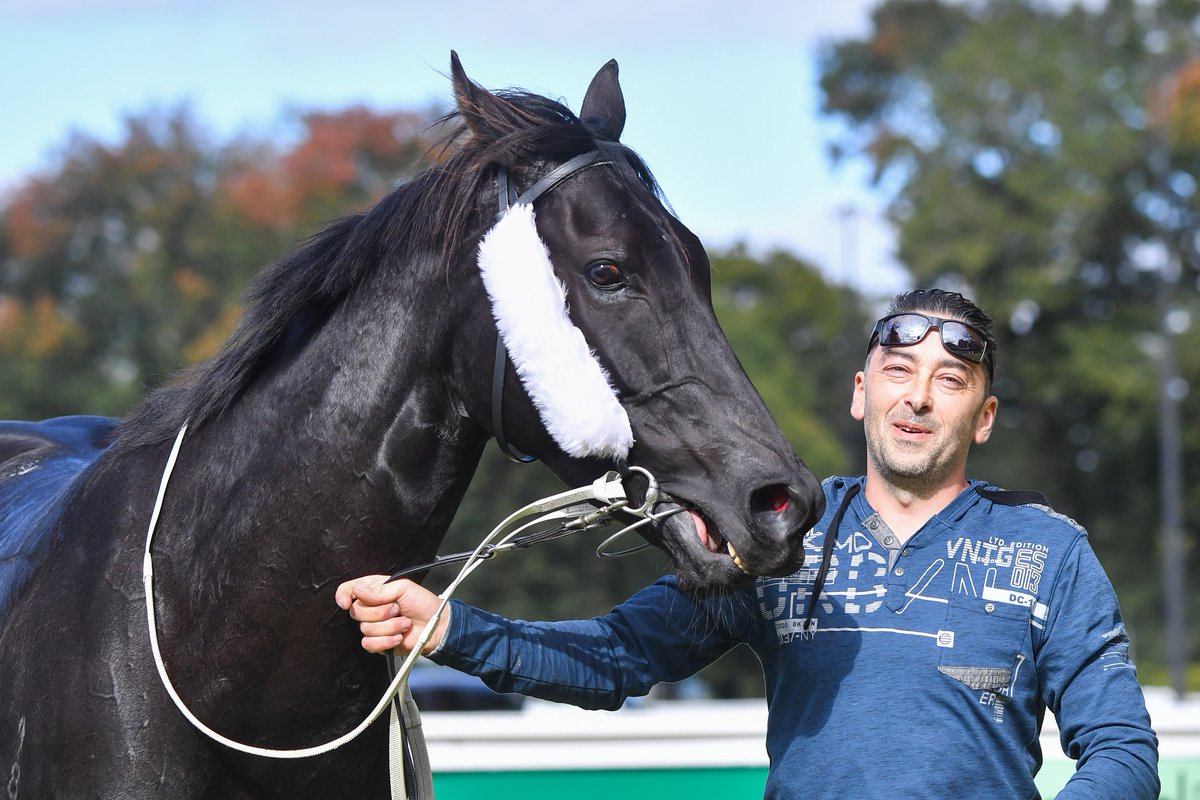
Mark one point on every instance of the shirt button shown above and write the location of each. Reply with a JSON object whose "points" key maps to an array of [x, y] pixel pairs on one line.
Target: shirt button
{"points": [[889, 540], [873, 524], [900, 572], [904, 552], [990, 607]]}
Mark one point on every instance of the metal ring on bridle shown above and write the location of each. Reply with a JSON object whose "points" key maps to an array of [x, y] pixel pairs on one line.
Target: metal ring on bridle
{"points": [[645, 510], [652, 493]]}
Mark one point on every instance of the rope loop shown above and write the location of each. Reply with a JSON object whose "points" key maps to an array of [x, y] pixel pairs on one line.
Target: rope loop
{"points": [[569, 512]]}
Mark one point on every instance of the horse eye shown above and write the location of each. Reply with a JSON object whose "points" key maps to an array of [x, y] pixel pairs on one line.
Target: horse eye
{"points": [[604, 275]]}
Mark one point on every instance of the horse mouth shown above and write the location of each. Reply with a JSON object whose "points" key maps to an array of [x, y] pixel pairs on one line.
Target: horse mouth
{"points": [[698, 536], [710, 537]]}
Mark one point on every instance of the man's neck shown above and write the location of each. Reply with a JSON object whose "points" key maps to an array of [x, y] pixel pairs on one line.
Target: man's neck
{"points": [[904, 509]]}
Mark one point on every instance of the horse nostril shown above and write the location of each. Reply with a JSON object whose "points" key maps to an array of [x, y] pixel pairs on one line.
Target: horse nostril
{"points": [[774, 499], [780, 513]]}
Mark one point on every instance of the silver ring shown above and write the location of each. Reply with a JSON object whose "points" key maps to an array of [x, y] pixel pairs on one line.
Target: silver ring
{"points": [[651, 493]]}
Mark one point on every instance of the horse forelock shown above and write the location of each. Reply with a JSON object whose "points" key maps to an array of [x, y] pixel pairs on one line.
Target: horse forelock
{"points": [[528, 135], [444, 210]]}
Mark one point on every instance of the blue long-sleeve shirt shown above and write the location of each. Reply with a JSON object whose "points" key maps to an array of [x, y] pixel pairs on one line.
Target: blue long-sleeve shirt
{"points": [[925, 672]]}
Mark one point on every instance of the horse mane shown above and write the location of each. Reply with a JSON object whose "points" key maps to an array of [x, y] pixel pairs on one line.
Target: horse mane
{"points": [[436, 211]]}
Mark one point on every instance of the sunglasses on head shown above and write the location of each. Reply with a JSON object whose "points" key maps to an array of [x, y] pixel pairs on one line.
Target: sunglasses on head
{"points": [[907, 328]]}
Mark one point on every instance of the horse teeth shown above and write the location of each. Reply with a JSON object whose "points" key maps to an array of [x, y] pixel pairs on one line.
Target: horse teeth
{"points": [[737, 559]]}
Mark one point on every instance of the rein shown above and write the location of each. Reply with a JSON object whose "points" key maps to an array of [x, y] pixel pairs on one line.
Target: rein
{"points": [[575, 518], [506, 198], [568, 512]]}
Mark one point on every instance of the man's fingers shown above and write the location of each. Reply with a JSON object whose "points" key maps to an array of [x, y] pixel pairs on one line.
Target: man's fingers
{"points": [[369, 590], [388, 613], [397, 626], [380, 644], [361, 612]]}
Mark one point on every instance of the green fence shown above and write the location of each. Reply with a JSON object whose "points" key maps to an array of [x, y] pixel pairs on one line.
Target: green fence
{"points": [[1180, 781], [590, 784]]}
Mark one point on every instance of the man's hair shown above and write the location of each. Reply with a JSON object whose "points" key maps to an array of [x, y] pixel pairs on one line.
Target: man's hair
{"points": [[949, 305]]}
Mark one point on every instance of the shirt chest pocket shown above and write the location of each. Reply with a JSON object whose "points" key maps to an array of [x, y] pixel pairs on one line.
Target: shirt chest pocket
{"points": [[982, 642]]}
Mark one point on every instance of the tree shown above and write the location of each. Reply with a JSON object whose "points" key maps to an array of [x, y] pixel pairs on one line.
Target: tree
{"points": [[125, 263], [1034, 156]]}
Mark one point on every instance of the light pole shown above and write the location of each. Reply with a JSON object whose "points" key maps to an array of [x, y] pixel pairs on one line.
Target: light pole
{"points": [[1155, 256], [1171, 391]]}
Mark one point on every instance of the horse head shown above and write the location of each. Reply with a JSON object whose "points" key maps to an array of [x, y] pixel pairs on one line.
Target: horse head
{"points": [[603, 300]]}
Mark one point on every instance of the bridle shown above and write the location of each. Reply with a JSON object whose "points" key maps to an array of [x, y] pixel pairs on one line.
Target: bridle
{"points": [[506, 198]]}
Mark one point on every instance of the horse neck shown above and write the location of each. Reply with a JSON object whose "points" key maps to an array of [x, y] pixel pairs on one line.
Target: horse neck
{"points": [[349, 459]]}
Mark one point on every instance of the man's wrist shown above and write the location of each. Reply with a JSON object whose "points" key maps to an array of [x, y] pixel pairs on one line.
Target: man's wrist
{"points": [[444, 631]]}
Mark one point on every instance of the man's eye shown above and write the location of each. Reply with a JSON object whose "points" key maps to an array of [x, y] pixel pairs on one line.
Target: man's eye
{"points": [[605, 275]]}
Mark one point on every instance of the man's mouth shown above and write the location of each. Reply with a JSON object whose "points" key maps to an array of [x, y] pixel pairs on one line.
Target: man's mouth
{"points": [[910, 428]]}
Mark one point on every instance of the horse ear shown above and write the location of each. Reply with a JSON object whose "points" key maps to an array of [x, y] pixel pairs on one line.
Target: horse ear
{"points": [[476, 104], [603, 111]]}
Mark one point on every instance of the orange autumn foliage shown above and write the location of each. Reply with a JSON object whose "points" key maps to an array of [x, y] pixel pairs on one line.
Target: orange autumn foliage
{"points": [[35, 330]]}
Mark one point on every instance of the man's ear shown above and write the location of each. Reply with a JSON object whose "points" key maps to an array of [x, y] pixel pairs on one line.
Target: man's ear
{"points": [[987, 418], [858, 400]]}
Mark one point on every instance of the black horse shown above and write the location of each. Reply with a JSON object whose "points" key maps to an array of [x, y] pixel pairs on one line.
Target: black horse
{"points": [[333, 436]]}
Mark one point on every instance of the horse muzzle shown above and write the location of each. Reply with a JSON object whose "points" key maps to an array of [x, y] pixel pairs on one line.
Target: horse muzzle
{"points": [[719, 546]]}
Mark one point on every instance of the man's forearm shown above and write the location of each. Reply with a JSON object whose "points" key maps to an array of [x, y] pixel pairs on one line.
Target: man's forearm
{"points": [[576, 662]]}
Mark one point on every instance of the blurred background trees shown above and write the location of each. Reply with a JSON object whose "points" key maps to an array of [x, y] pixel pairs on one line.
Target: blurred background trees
{"points": [[127, 261], [1042, 159], [1045, 160]]}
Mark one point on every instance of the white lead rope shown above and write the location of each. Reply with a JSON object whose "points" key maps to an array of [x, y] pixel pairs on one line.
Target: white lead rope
{"points": [[571, 505], [148, 582]]}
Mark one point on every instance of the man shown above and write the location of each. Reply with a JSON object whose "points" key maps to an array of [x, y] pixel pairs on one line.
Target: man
{"points": [[951, 614]]}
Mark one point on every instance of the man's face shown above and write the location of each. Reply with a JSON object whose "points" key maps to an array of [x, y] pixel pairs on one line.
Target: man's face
{"points": [[921, 409]]}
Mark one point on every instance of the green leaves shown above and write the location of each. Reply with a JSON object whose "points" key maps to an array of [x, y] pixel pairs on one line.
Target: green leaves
{"points": [[801, 340]]}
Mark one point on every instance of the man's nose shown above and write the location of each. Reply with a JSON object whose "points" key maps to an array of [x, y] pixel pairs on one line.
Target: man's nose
{"points": [[919, 396]]}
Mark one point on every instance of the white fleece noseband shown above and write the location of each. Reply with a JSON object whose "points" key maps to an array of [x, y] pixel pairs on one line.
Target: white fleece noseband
{"points": [[569, 387]]}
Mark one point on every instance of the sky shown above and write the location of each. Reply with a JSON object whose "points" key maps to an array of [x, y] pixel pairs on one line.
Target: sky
{"points": [[722, 97]]}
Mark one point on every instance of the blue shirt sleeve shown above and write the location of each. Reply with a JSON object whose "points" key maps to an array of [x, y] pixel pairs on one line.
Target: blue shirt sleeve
{"points": [[659, 634], [1089, 683]]}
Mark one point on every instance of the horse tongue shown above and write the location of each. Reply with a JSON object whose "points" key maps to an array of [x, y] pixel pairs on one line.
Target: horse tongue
{"points": [[702, 532]]}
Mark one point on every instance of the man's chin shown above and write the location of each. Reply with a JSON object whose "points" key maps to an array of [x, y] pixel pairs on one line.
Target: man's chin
{"points": [[904, 466], [915, 475]]}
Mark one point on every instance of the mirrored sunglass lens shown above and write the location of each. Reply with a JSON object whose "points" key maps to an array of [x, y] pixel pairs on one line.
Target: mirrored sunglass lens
{"points": [[905, 329], [958, 338]]}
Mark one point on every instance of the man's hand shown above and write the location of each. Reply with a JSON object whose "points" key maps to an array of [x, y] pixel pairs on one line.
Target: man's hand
{"points": [[391, 615]]}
